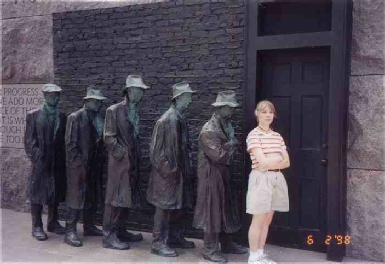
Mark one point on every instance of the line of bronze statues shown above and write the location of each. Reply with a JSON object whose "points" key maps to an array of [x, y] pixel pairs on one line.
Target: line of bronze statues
{"points": [[67, 157]]}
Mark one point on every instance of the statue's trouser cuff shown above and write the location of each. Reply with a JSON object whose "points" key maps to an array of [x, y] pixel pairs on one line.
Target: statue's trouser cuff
{"points": [[73, 218], [177, 226], [36, 211], [161, 226], [210, 243], [123, 215], [225, 240], [52, 212], [88, 218], [111, 219]]}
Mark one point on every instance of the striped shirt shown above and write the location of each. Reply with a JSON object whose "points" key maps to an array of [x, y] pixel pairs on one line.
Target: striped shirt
{"points": [[271, 143]]}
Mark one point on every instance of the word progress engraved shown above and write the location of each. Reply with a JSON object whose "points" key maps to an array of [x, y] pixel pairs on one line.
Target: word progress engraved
{"points": [[15, 101]]}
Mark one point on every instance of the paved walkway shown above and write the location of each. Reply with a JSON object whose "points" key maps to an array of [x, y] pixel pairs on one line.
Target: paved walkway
{"points": [[17, 245]]}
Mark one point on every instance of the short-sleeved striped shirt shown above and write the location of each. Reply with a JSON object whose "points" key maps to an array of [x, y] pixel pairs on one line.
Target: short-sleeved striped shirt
{"points": [[271, 143]]}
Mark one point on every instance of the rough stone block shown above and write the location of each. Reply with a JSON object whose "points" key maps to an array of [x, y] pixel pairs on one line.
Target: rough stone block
{"points": [[23, 8], [366, 145], [368, 40], [27, 50], [366, 214], [14, 175]]}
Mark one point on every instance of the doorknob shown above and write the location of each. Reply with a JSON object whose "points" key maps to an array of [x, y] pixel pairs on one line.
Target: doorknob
{"points": [[324, 162], [324, 146]]}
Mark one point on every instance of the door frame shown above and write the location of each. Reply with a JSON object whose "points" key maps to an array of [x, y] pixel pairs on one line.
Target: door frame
{"points": [[338, 39]]}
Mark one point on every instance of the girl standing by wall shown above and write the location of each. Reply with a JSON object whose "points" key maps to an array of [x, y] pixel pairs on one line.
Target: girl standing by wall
{"points": [[267, 188]]}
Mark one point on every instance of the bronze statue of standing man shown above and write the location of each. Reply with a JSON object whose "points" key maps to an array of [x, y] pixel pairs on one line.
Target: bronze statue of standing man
{"points": [[216, 211], [170, 187], [85, 156], [44, 146], [121, 136]]}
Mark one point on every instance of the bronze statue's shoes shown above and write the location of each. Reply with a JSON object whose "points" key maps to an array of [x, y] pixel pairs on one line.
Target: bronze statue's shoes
{"points": [[180, 243], [55, 227], [114, 243], [215, 257], [92, 231], [164, 251], [72, 239], [39, 234], [233, 248], [129, 237]]}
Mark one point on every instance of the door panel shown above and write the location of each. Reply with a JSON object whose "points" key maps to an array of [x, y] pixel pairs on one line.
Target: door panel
{"points": [[296, 81], [309, 207]]}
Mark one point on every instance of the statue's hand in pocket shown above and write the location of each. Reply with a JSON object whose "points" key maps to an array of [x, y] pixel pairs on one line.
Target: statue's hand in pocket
{"points": [[36, 154], [118, 152], [76, 162]]}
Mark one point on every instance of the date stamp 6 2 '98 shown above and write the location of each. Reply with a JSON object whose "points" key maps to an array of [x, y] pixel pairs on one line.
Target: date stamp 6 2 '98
{"points": [[337, 239]]}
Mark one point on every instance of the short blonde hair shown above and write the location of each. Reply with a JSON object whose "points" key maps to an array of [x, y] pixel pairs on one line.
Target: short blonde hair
{"points": [[262, 105]]}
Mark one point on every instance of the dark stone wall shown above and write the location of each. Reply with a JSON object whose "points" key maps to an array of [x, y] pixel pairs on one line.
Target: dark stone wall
{"points": [[201, 42]]}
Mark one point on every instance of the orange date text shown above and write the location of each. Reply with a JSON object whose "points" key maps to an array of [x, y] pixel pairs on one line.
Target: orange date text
{"points": [[337, 239]]}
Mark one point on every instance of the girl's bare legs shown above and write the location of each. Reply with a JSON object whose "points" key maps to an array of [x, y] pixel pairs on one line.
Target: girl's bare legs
{"points": [[255, 234], [265, 228], [255, 231]]}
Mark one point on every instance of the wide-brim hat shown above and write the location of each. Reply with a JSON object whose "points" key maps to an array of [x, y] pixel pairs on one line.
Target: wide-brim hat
{"points": [[94, 93], [181, 88], [50, 88], [226, 98], [135, 81]]}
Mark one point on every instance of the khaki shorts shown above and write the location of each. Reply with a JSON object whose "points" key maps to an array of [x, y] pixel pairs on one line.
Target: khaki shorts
{"points": [[267, 191]]}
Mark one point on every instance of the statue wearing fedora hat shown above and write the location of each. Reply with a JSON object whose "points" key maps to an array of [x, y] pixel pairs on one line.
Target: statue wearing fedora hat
{"points": [[216, 211], [84, 148], [44, 146], [170, 188], [121, 136]]}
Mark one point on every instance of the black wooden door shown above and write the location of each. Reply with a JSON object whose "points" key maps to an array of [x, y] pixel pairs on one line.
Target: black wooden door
{"points": [[297, 81]]}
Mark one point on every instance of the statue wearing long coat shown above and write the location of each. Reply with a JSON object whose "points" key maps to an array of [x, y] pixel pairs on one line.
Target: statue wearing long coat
{"points": [[170, 184], [44, 146], [123, 158], [215, 210], [85, 159]]}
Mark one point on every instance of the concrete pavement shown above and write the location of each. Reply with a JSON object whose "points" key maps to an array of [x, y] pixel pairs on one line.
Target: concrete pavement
{"points": [[17, 245]]}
